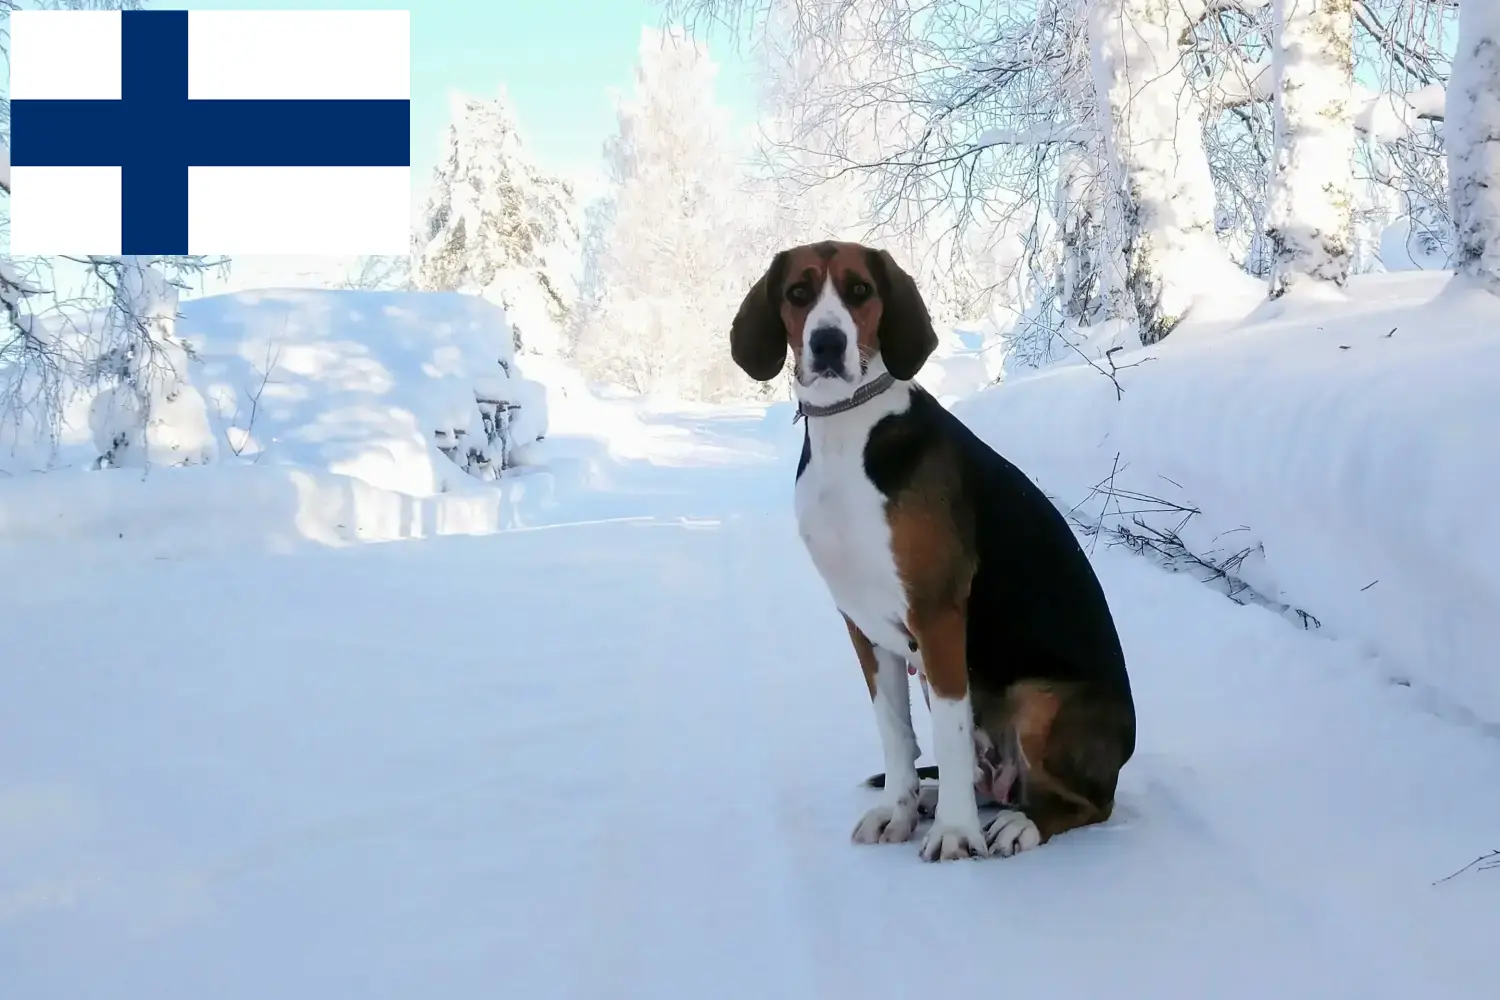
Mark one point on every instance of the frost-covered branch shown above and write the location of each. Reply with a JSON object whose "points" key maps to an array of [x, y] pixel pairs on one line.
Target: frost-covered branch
{"points": [[373, 273]]}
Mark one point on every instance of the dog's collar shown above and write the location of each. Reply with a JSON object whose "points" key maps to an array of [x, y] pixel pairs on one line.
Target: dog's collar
{"points": [[859, 397]]}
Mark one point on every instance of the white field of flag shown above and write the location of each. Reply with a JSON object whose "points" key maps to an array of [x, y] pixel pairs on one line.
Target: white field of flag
{"points": [[232, 55]]}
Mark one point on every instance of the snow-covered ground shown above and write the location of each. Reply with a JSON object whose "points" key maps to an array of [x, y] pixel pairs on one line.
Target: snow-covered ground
{"points": [[615, 750], [1336, 453]]}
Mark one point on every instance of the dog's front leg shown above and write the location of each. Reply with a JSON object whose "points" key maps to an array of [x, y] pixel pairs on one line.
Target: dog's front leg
{"points": [[895, 818], [941, 641]]}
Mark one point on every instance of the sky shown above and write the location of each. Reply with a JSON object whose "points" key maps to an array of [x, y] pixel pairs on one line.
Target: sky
{"points": [[557, 58]]}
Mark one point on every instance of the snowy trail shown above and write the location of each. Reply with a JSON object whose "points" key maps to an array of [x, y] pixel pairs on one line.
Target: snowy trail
{"points": [[634, 775]]}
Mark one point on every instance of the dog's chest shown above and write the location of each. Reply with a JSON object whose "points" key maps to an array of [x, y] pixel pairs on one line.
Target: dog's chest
{"points": [[842, 519]]}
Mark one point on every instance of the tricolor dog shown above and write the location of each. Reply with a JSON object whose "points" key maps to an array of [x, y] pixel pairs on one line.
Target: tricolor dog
{"points": [[941, 554]]}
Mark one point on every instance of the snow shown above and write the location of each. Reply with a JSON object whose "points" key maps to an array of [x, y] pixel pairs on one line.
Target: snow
{"points": [[1345, 456], [1408, 246], [359, 384], [615, 748], [1393, 117], [320, 416]]}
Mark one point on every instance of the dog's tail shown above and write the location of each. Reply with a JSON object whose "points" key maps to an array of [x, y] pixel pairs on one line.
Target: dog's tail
{"points": [[878, 780]]}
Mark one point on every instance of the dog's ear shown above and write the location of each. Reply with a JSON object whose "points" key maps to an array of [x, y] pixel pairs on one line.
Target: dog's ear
{"points": [[757, 337], [906, 335]]}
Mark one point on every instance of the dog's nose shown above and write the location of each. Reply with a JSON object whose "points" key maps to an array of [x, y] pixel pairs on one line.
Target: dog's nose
{"points": [[827, 345]]}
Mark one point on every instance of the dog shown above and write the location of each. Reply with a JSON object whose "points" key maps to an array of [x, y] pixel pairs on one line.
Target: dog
{"points": [[942, 555]]}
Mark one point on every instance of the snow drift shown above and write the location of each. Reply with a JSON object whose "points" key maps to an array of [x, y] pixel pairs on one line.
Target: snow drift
{"points": [[1340, 456], [331, 416], [403, 390]]}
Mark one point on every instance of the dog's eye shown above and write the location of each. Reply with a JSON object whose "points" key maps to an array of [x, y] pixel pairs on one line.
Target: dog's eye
{"points": [[860, 291], [799, 295]]}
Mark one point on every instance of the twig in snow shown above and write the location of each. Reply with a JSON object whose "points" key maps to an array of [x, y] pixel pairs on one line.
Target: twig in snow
{"points": [[1166, 546], [265, 379], [1114, 370]]}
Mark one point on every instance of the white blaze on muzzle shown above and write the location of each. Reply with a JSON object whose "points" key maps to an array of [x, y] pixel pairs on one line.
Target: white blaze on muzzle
{"points": [[830, 335]]}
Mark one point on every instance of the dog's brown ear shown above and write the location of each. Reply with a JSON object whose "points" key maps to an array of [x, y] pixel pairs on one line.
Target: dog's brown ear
{"points": [[757, 337], [906, 335]]}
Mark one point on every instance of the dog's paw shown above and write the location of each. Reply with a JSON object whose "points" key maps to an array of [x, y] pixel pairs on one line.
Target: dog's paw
{"points": [[888, 823], [1011, 832], [953, 842]]}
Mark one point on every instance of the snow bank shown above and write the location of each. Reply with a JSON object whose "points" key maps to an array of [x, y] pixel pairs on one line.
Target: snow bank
{"points": [[405, 391], [965, 361], [292, 416], [172, 512], [1346, 450]]}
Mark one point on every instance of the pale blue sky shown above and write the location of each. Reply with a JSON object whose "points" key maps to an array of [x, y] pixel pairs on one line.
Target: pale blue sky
{"points": [[557, 58]]}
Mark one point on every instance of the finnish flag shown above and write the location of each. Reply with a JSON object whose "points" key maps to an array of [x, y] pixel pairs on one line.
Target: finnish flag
{"points": [[210, 132]]}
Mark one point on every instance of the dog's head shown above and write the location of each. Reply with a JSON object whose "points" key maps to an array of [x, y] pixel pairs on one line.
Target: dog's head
{"points": [[842, 309]]}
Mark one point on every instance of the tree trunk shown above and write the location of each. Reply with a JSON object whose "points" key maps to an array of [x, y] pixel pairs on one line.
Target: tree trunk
{"points": [[1091, 279], [1473, 138], [1153, 129], [1311, 219]]}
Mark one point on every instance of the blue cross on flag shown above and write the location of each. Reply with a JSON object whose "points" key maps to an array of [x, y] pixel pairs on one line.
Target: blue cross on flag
{"points": [[210, 132]]}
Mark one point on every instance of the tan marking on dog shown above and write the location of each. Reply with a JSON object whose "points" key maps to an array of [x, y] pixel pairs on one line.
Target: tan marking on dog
{"points": [[942, 637], [865, 651], [931, 541], [1034, 710]]}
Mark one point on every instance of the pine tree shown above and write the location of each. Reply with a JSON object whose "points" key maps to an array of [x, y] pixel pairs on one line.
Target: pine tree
{"points": [[498, 225]]}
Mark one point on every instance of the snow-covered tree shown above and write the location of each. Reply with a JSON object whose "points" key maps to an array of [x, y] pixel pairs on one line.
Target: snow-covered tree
{"points": [[1153, 122], [1473, 136], [1312, 197], [821, 134], [377, 273], [97, 329], [1153, 135], [147, 411], [498, 225], [666, 265]]}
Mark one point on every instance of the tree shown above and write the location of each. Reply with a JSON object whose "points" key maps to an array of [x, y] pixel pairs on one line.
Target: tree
{"points": [[1312, 189], [377, 273], [986, 98], [499, 226], [665, 267], [146, 411], [97, 328], [1474, 143], [1153, 137]]}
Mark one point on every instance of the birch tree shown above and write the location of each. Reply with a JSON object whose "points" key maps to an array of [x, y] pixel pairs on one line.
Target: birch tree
{"points": [[1312, 189], [1473, 111], [1143, 132], [1153, 136]]}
